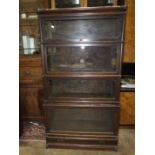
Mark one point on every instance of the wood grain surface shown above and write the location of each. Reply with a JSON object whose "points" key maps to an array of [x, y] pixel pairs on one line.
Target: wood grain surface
{"points": [[129, 46], [31, 103], [127, 108]]}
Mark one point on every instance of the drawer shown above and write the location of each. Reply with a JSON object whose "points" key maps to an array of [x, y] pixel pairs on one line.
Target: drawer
{"points": [[81, 142], [92, 120], [30, 60], [84, 29], [30, 73], [83, 58], [105, 89]]}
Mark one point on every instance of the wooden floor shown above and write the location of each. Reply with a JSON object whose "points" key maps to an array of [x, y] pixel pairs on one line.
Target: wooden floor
{"points": [[37, 147]]}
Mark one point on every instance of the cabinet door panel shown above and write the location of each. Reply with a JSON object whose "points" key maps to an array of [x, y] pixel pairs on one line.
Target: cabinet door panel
{"points": [[127, 110], [96, 29], [103, 119], [31, 103], [102, 58], [104, 89]]}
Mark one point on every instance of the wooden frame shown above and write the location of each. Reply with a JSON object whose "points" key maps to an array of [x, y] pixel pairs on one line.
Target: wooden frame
{"points": [[52, 4]]}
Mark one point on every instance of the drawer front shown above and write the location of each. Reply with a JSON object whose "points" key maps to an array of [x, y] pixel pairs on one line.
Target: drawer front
{"points": [[82, 89], [82, 119], [83, 58], [30, 73], [107, 27], [30, 60]]}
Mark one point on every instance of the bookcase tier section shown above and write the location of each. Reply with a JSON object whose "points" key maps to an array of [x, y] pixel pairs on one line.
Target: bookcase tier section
{"points": [[83, 29], [105, 89], [82, 119], [83, 58]]}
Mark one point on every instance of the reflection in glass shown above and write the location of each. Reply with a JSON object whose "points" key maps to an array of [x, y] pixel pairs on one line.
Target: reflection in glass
{"points": [[83, 30], [82, 58], [67, 3]]}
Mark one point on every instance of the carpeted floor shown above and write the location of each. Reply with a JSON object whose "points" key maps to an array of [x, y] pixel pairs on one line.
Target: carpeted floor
{"points": [[35, 145], [33, 131]]}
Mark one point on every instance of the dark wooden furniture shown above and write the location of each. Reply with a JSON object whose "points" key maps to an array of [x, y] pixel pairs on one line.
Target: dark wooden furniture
{"points": [[30, 69], [81, 55], [31, 88]]}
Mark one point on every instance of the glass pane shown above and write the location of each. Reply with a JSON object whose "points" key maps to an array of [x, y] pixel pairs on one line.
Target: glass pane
{"points": [[29, 38], [81, 119], [82, 59], [81, 88], [68, 3], [92, 3], [83, 30]]}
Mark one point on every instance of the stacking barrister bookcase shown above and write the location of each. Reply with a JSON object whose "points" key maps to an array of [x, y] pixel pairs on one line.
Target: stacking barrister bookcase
{"points": [[81, 55]]}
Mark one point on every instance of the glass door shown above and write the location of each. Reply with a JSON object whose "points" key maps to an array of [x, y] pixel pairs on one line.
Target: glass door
{"points": [[83, 58], [29, 37], [83, 30], [86, 89], [92, 120]]}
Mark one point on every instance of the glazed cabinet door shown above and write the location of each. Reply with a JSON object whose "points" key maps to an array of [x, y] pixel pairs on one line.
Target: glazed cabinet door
{"points": [[86, 89], [83, 58], [86, 119], [83, 29]]}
